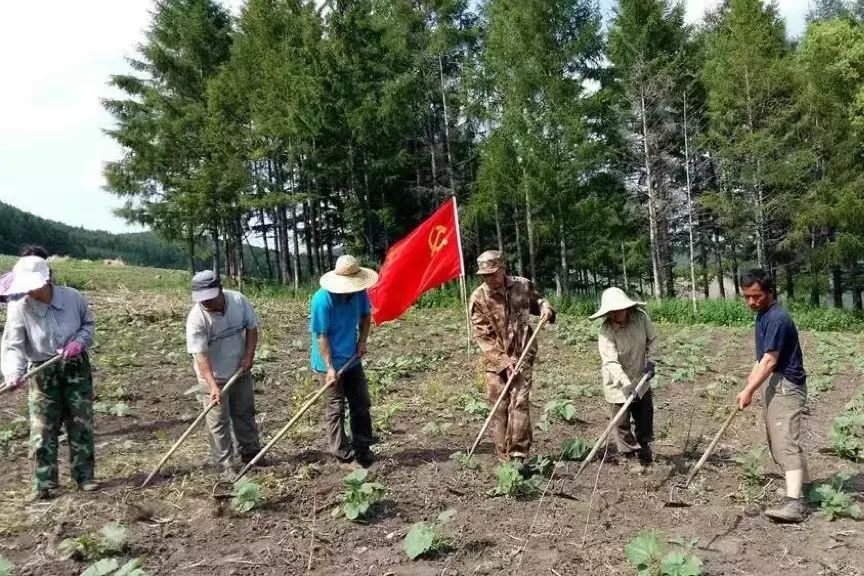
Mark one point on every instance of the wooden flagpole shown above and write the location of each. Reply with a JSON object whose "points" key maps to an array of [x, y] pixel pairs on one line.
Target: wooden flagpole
{"points": [[462, 288]]}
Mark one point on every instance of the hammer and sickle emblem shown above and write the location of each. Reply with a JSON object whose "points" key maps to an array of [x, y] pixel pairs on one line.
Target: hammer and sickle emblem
{"points": [[437, 239]]}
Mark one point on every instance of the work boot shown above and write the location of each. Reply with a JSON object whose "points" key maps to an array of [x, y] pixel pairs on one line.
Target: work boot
{"points": [[792, 510], [88, 486], [364, 457], [40, 495], [345, 456], [645, 455], [262, 462]]}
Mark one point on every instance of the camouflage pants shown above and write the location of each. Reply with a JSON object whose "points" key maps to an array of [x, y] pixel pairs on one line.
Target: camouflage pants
{"points": [[62, 394], [511, 424]]}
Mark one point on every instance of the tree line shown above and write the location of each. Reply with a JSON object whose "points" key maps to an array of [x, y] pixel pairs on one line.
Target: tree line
{"points": [[640, 151]]}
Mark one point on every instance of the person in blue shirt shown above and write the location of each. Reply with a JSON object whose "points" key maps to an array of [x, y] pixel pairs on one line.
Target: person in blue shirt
{"points": [[341, 316], [780, 363]]}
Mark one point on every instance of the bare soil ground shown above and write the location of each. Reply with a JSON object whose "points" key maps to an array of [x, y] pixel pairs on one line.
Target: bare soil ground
{"points": [[419, 369]]}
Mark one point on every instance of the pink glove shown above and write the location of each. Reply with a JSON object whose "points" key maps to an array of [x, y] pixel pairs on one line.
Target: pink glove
{"points": [[11, 385], [72, 350]]}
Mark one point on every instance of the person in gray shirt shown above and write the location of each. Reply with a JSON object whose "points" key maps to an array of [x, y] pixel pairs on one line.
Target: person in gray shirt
{"points": [[52, 320], [222, 335]]}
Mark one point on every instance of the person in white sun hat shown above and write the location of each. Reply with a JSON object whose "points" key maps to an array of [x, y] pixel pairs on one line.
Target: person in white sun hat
{"points": [[629, 348], [341, 316], [52, 320]]}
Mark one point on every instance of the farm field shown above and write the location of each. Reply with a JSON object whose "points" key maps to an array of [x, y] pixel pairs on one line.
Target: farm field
{"points": [[426, 395]]}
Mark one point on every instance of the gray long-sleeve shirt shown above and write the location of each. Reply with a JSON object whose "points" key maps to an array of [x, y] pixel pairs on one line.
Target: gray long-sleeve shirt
{"points": [[35, 331]]}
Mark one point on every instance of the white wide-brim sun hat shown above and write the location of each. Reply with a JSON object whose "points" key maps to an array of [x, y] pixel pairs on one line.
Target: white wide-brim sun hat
{"points": [[30, 273], [612, 300], [348, 276]]}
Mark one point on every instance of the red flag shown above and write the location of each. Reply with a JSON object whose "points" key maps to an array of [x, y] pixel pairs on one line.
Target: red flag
{"points": [[428, 257]]}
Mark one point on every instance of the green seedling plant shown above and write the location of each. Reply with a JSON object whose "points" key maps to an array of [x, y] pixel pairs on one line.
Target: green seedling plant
{"points": [[474, 405], [541, 465], [511, 483], [111, 540], [558, 410], [247, 496], [359, 495], [834, 501], [428, 538], [17, 429], [120, 409], [575, 450], [112, 567], [435, 428], [384, 418], [646, 554], [847, 435], [752, 475], [6, 567], [465, 461]]}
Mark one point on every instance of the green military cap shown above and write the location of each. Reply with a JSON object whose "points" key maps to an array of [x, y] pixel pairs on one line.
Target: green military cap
{"points": [[490, 262]]}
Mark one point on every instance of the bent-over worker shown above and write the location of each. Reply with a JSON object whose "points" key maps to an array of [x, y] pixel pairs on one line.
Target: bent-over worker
{"points": [[341, 316], [780, 364], [629, 349], [501, 309], [222, 335], [48, 321]]}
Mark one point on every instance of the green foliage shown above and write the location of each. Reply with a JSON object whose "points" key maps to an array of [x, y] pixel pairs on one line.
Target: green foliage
{"points": [[426, 538], [112, 408], [16, 429], [646, 554], [247, 496], [752, 469], [112, 567], [847, 434], [112, 539], [575, 450], [359, 495], [511, 482], [6, 567], [465, 461], [383, 417], [474, 405], [558, 410], [834, 501]]}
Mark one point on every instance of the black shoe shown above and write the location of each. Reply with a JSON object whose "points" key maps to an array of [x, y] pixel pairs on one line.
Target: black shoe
{"points": [[345, 457], [646, 456], [262, 462], [365, 458]]}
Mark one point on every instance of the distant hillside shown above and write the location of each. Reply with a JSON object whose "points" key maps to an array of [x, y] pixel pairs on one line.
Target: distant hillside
{"points": [[19, 228]]}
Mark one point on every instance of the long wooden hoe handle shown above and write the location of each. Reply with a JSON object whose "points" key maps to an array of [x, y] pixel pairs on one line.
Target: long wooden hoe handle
{"points": [[34, 371], [507, 386], [189, 430], [293, 420], [612, 423], [711, 447]]}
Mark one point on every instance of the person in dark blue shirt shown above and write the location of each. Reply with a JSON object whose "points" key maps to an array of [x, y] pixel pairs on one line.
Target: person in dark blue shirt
{"points": [[339, 326], [780, 363]]}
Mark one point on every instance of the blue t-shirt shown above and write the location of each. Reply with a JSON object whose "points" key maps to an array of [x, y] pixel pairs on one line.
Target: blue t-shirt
{"points": [[339, 318], [775, 331]]}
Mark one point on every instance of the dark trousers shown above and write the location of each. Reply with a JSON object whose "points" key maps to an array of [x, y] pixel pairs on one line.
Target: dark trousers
{"points": [[641, 411], [353, 388]]}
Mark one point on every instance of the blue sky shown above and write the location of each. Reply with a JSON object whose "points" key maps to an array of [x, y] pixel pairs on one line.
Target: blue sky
{"points": [[55, 64]]}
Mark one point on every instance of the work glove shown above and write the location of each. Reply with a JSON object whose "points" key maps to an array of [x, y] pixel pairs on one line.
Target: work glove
{"points": [[628, 389], [649, 369], [13, 383], [72, 350]]}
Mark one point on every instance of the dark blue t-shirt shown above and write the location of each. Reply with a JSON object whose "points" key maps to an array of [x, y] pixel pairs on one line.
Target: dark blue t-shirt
{"points": [[775, 331]]}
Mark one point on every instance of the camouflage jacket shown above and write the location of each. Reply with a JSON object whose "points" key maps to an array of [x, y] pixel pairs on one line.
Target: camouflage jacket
{"points": [[500, 319]]}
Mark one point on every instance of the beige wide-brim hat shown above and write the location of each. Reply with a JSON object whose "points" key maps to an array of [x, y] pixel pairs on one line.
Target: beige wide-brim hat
{"points": [[612, 300], [30, 273], [348, 277]]}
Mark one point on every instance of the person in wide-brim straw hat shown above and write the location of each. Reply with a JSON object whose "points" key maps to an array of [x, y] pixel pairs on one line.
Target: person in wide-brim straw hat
{"points": [[341, 315], [629, 348]]}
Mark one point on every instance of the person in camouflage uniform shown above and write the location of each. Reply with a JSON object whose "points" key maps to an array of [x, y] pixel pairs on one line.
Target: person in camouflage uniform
{"points": [[500, 310], [48, 321]]}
